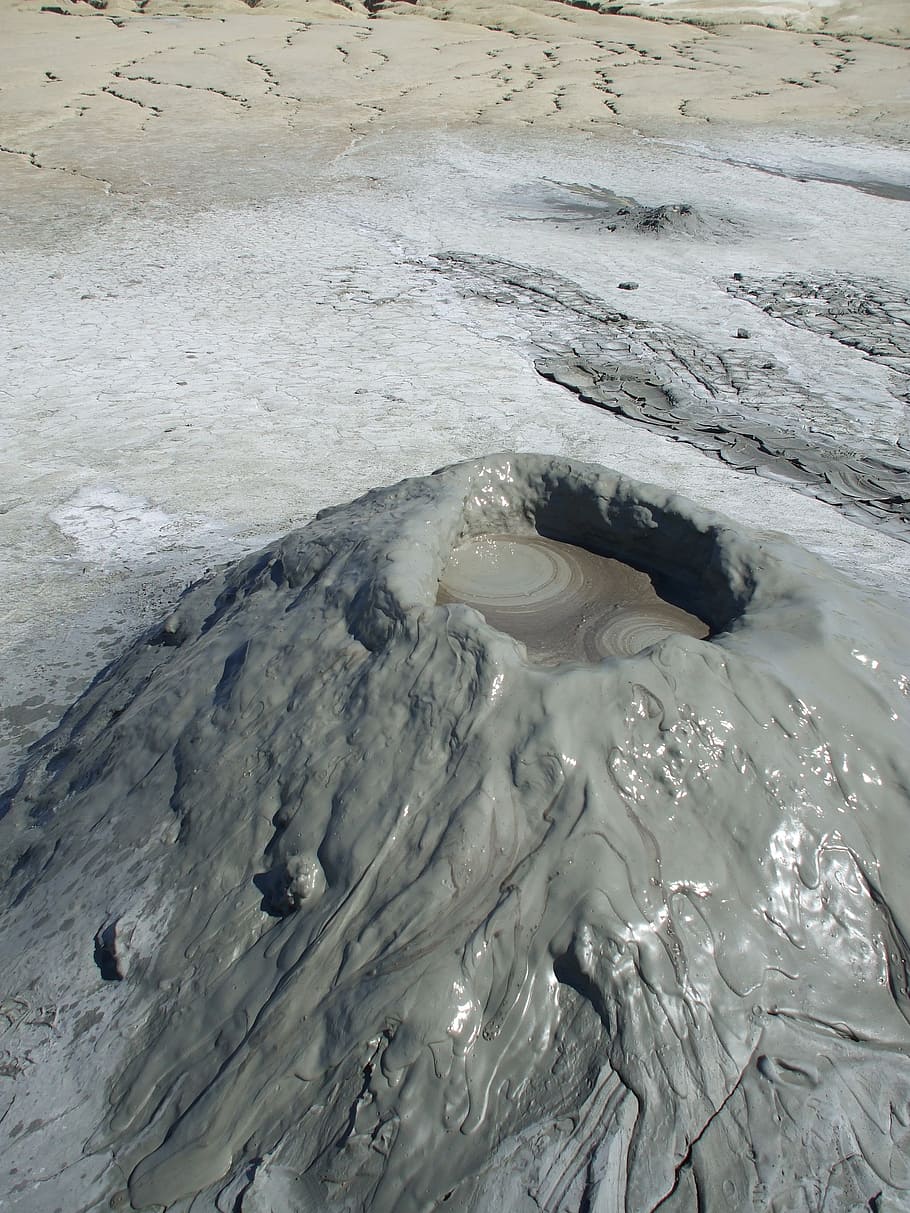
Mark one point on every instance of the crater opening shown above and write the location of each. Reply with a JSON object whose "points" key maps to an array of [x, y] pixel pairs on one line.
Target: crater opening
{"points": [[563, 602]]}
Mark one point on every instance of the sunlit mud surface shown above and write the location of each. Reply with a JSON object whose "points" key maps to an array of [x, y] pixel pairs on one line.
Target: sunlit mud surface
{"points": [[871, 316], [562, 602], [329, 896], [365, 887], [895, 190], [436, 302], [748, 411]]}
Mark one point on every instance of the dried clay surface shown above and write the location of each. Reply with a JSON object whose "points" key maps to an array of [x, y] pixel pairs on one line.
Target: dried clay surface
{"points": [[107, 101], [746, 410], [870, 316], [360, 906]]}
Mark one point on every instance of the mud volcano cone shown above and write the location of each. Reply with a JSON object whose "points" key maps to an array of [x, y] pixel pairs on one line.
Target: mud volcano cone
{"points": [[519, 836]]}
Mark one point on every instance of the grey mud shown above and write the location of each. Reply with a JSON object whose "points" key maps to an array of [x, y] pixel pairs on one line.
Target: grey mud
{"points": [[561, 601], [404, 920]]}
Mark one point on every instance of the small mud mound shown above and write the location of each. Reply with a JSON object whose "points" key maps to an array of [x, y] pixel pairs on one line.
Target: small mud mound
{"points": [[558, 202]]}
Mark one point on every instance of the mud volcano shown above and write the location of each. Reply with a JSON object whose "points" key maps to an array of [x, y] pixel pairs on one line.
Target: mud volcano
{"points": [[401, 912], [567, 203]]}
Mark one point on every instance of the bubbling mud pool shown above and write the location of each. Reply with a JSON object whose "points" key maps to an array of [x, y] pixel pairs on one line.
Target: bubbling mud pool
{"points": [[562, 602]]}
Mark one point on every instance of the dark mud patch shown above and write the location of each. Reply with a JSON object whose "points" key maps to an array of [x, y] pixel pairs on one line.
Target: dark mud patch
{"points": [[565, 203]]}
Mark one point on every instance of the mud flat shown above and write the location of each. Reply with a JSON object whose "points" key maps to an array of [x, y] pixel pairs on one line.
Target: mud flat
{"points": [[603, 209], [368, 880], [744, 409], [869, 315]]}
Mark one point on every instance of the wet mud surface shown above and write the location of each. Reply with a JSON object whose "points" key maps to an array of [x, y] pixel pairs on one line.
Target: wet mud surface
{"points": [[894, 190], [606, 211], [325, 896], [562, 602], [351, 884]]}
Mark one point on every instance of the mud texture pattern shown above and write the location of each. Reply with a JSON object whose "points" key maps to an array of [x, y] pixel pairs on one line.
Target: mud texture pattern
{"points": [[870, 316], [737, 407], [400, 919], [562, 602]]}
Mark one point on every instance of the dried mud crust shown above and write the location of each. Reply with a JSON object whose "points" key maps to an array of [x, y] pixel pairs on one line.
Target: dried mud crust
{"points": [[172, 69], [624, 929], [736, 407], [870, 316]]}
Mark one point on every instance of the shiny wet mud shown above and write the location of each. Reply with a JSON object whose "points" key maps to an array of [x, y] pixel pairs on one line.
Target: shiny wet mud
{"points": [[562, 602]]}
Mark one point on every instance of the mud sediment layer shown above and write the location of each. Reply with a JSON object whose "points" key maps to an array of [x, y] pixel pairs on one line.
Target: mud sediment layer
{"points": [[561, 601], [605, 210], [873, 317]]}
